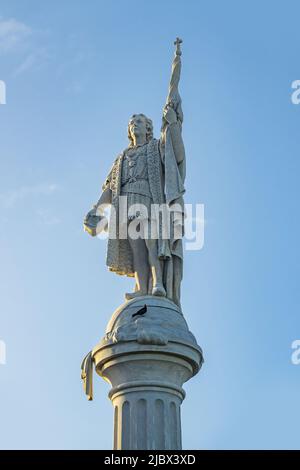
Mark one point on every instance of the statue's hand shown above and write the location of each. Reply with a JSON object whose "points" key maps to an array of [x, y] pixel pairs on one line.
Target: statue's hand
{"points": [[169, 114], [92, 213], [93, 223]]}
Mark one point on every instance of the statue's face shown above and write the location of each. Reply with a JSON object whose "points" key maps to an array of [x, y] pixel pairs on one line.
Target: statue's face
{"points": [[137, 126]]}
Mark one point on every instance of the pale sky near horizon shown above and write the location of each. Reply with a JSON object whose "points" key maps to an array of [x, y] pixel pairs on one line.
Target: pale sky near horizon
{"points": [[75, 71]]}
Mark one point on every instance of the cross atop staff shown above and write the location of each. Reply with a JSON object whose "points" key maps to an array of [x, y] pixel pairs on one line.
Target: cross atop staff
{"points": [[177, 44]]}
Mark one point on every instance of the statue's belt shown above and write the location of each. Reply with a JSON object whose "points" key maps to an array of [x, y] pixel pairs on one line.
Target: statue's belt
{"points": [[133, 179]]}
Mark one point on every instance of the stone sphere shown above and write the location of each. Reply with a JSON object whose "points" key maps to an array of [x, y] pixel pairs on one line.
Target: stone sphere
{"points": [[149, 338], [149, 320]]}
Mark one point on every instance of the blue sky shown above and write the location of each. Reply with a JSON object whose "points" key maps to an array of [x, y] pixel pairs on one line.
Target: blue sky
{"points": [[75, 71]]}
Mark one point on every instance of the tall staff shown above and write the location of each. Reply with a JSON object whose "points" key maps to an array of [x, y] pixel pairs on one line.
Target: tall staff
{"points": [[173, 98]]}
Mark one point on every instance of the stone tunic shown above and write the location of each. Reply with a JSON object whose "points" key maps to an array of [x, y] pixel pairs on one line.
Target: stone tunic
{"points": [[135, 183]]}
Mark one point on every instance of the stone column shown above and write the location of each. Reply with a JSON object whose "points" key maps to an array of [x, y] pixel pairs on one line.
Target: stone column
{"points": [[146, 358]]}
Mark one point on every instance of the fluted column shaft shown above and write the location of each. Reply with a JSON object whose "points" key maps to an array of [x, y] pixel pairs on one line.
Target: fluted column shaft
{"points": [[147, 419]]}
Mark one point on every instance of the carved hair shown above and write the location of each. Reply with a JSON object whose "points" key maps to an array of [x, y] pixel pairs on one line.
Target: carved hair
{"points": [[149, 128]]}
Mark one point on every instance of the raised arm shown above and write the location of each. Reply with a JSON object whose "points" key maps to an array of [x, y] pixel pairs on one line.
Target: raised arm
{"points": [[172, 112], [175, 127]]}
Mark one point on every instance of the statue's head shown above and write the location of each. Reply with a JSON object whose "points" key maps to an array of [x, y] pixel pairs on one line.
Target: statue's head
{"points": [[140, 125]]}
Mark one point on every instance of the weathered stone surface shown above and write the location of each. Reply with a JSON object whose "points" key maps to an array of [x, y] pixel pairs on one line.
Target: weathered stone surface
{"points": [[162, 322], [146, 359], [149, 173], [148, 352]]}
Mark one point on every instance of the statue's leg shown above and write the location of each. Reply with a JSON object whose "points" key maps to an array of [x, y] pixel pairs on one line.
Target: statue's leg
{"points": [[154, 263], [141, 267], [177, 278]]}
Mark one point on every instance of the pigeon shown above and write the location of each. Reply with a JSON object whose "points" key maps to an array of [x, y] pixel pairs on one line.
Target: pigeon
{"points": [[142, 311]]}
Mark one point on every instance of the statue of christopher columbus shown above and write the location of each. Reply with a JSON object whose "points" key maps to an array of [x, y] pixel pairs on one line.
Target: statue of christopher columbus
{"points": [[146, 177]]}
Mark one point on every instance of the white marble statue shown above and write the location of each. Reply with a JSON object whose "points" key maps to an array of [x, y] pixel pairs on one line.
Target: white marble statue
{"points": [[148, 173]]}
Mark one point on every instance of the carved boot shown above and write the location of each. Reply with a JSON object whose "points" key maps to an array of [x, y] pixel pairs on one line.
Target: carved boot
{"points": [[134, 295], [159, 290]]}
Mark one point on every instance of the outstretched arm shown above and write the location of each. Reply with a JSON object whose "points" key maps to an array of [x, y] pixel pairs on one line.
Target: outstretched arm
{"points": [[104, 201], [95, 220]]}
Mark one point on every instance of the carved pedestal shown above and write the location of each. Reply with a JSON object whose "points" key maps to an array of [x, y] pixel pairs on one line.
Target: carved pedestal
{"points": [[146, 355]]}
